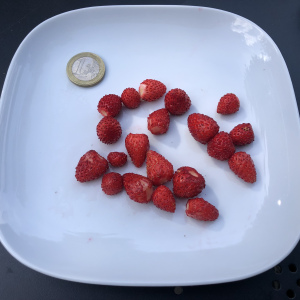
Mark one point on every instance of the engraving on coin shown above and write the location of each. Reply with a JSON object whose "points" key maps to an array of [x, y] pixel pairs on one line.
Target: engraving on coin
{"points": [[85, 68]]}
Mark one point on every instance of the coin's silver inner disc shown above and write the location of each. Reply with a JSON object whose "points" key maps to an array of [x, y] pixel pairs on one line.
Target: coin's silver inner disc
{"points": [[85, 68]]}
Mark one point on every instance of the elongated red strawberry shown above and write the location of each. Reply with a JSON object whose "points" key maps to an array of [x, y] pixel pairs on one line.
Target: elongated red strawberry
{"points": [[243, 166], [110, 105], [131, 98], [109, 130], [177, 102], [138, 187], [137, 146], [91, 166], [201, 210], [117, 159], [151, 90], [163, 198], [112, 183], [242, 134], [228, 104], [202, 127], [220, 146], [159, 169], [187, 182], [159, 121]]}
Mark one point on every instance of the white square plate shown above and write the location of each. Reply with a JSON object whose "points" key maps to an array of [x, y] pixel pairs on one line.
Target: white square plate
{"points": [[66, 229]]}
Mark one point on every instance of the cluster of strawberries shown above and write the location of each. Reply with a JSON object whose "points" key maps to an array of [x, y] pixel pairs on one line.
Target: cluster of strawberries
{"points": [[177, 102], [187, 182], [221, 145]]}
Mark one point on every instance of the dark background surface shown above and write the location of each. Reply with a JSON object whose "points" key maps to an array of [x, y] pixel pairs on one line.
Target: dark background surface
{"points": [[281, 20]]}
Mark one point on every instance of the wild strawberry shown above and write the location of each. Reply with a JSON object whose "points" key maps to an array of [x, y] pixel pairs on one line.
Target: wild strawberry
{"points": [[117, 159], [151, 90], [159, 121], [220, 146], [201, 210], [131, 98], [228, 104], [138, 187], [163, 198], [187, 182], [109, 105], [137, 146], [109, 130], [91, 166], [177, 102], [202, 127], [112, 183], [243, 166], [159, 169], [242, 134]]}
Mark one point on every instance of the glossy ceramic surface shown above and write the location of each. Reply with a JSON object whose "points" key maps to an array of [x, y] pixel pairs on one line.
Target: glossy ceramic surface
{"points": [[66, 229]]}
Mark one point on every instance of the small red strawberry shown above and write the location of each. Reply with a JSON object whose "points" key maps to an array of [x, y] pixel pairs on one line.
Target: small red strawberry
{"points": [[151, 90], [109, 130], [110, 105], [159, 121], [177, 102], [187, 182], [137, 146], [242, 134], [117, 159], [131, 98], [163, 198], [243, 166], [159, 169], [220, 146], [138, 187], [201, 210], [112, 183], [91, 166], [202, 127], [228, 104]]}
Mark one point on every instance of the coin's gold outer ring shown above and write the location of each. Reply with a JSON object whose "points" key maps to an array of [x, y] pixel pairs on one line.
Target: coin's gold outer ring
{"points": [[88, 83]]}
